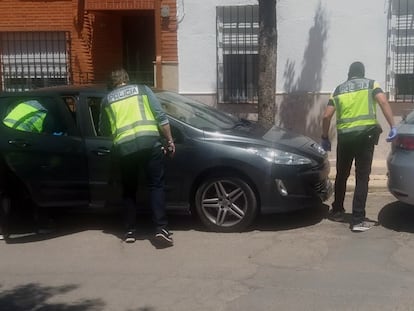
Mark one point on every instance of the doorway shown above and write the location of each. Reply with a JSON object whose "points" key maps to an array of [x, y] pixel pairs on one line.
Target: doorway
{"points": [[139, 46]]}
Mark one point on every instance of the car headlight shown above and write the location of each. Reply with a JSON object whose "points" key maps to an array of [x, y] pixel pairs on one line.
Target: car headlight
{"points": [[280, 157], [319, 149]]}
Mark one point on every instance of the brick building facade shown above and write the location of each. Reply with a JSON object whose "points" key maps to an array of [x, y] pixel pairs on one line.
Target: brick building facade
{"points": [[80, 41]]}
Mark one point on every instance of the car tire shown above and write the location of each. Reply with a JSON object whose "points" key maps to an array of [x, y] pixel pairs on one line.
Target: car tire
{"points": [[226, 204]]}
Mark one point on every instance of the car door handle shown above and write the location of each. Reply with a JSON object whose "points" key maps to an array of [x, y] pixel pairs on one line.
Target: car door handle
{"points": [[19, 143], [102, 151]]}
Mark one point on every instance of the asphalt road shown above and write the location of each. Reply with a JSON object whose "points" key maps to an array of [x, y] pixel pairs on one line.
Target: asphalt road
{"points": [[295, 261]]}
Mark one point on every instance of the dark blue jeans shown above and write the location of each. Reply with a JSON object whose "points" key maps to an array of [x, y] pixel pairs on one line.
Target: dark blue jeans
{"points": [[151, 162], [361, 149]]}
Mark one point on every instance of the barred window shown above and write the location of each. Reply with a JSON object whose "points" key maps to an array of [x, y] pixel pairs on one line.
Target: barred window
{"points": [[237, 53], [400, 61], [33, 59]]}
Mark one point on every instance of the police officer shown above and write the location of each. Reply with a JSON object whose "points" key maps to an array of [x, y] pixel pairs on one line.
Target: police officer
{"points": [[132, 115], [28, 116], [357, 133]]}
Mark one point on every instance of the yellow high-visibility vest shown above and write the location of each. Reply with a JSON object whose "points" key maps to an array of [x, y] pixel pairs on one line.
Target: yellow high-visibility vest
{"points": [[27, 116], [130, 115], [355, 105]]}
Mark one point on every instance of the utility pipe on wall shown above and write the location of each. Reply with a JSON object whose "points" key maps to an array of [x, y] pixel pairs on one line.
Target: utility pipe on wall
{"points": [[158, 52]]}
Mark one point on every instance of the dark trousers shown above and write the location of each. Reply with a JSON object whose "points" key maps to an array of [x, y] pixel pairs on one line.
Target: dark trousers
{"points": [[361, 149], [151, 163]]}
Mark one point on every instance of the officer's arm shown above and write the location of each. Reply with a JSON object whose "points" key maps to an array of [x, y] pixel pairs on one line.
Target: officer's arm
{"points": [[166, 132], [382, 101], [326, 120], [155, 106]]}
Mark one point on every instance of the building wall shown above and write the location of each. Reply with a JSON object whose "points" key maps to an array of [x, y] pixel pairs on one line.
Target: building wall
{"points": [[317, 41], [96, 37], [105, 43], [47, 16], [35, 15]]}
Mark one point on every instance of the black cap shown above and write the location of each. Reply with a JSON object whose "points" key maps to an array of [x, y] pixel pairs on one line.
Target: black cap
{"points": [[357, 70]]}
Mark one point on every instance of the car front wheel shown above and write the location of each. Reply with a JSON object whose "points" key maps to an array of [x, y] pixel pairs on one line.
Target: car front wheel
{"points": [[226, 204]]}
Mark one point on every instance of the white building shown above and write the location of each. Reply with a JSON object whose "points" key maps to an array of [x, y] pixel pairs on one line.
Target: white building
{"points": [[317, 41]]}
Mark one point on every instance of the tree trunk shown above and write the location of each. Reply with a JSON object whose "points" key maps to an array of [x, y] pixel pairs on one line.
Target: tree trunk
{"points": [[267, 63]]}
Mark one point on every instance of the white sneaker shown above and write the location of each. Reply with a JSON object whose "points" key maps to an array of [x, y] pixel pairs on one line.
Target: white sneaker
{"points": [[361, 227]]}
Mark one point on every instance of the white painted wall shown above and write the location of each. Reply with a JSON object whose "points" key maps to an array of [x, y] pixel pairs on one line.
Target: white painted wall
{"points": [[318, 39], [197, 44]]}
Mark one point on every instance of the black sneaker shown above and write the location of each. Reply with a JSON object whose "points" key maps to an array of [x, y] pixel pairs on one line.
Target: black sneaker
{"points": [[338, 216], [129, 237], [163, 238]]}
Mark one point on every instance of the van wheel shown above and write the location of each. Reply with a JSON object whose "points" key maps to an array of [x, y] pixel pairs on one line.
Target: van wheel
{"points": [[226, 204]]}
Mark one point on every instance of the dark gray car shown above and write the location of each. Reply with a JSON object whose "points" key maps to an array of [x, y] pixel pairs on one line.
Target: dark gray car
{"points": [[226, 170]]}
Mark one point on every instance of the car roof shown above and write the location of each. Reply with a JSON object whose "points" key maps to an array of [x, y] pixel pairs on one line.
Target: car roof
{"points": [[73, 88], [58, 90], [65, 90]]}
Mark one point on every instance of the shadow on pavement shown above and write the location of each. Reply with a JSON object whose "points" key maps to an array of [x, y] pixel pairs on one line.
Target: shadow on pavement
{"points": [[67, 223], [35, 296], [291, 220], [397, 216], [71, 222]]}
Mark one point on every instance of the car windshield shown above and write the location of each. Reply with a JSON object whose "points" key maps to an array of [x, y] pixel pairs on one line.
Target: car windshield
{"points": [[195, 113]]}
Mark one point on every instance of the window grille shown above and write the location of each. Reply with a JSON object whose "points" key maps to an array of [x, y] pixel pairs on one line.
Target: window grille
{"points": [[30, 60], [400, 69], [237, 53]]}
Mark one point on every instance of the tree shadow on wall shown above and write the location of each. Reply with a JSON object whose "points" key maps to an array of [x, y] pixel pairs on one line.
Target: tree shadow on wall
{"points": [[299, 109], [34, 297]]}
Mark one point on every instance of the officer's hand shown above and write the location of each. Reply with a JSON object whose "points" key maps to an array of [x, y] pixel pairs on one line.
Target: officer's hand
{"points": [[326, 144], [392, 134], [170, 149]]}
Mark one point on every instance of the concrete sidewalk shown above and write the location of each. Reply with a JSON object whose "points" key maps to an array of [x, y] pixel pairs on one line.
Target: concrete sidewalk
{"points": [[378, 177]]}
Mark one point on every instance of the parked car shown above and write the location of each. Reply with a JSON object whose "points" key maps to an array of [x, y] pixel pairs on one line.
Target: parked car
{"points": [[400, 162], [225, 170]]}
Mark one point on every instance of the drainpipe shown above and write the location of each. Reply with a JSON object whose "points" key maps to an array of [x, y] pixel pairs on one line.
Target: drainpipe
{"points": [[158, 52]]}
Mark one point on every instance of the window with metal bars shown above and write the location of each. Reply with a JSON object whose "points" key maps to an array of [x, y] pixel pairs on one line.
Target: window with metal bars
{"points": [[30, 60], [400, 71], [237, 53]]}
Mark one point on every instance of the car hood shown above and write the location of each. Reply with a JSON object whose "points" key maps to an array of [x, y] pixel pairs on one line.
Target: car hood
{"points": [[285, 137], [276, 137]]}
